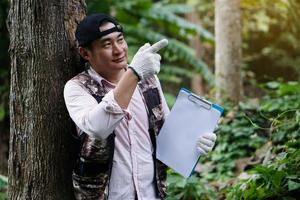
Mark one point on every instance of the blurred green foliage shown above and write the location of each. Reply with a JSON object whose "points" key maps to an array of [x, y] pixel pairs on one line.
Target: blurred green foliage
{"points": [[191, 188], [271, 34], [279, 179]]}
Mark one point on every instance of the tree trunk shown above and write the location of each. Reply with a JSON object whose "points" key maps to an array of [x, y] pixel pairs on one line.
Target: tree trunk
{"points": [[228, 50], [42, 60], [197, 85]]}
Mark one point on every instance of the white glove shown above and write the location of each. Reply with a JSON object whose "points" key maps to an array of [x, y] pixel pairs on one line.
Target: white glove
{"points": [[206, 142], [146, 61]]}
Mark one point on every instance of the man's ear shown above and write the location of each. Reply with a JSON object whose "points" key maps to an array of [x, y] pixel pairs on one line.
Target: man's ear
{"points": [[84, 53]]}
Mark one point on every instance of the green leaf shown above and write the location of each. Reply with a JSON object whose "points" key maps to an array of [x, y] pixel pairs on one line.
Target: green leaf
{"points": [[161, 13], [298, 117], [3, 181], [178, 8], [3, 196], [289, 88], [3, 178], [273, 85], [292, 185], [293, 144]]}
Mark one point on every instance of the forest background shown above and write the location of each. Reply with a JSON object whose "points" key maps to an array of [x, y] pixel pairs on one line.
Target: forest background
{"points": [[257, 153]]}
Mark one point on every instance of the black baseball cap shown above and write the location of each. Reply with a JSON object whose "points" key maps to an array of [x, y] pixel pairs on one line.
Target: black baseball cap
{"points": [[88, 29]]}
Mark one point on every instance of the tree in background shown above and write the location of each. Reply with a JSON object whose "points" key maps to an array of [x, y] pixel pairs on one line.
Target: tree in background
{"points": [[270, 44], [42, 60], [197, 85], [228, 50]]}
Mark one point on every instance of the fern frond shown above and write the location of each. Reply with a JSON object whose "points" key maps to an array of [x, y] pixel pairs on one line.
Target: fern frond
{"points": [[160, 13], [178, 8], [176, 70], [163, 77], [132, 5], [178, 49]]}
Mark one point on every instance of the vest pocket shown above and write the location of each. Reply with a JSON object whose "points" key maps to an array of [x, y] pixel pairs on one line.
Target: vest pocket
{"points": [[152, 98]]}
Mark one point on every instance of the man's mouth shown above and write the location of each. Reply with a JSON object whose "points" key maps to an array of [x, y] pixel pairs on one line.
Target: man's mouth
{"points": [[118, 60]]}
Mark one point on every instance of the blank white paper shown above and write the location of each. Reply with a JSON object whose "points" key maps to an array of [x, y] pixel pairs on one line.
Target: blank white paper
{"points": [[188, 119]]}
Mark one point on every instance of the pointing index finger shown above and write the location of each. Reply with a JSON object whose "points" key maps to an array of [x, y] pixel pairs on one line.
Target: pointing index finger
{"points": [[158, 45]]}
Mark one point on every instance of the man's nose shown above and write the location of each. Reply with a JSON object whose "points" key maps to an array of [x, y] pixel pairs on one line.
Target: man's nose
{"points": [[117, 48]]}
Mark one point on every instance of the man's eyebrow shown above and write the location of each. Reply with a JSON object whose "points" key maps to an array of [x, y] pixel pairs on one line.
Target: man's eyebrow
{"points": [[102, 40], [107, 39], [120, 35]]}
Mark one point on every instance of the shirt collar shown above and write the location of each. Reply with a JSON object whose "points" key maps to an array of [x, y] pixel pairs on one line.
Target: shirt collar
{"points": [[102, 81]]}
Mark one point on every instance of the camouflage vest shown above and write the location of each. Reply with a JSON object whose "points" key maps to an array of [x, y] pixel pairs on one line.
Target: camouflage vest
{"points": [[92, 170]]}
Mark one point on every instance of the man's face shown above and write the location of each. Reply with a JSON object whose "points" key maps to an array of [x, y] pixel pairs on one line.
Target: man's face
{"points": [[109, 53]]}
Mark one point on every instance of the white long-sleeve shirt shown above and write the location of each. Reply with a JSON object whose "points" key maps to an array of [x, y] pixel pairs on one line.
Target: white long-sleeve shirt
{"points": [[133, 169]]}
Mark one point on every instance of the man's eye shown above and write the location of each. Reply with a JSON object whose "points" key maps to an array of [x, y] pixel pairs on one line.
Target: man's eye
{"points": [[120, 40], [106, 45]]}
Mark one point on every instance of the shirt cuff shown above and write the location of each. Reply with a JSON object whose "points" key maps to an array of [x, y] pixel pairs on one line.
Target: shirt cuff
{"points": [[111, 104]]}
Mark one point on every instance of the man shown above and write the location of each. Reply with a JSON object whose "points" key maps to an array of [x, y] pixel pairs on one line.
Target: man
{"points": [[118, 110]]}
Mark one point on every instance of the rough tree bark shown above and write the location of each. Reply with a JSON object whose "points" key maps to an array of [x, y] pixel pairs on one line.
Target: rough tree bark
{"points": [[228, 50], [42, 59]]}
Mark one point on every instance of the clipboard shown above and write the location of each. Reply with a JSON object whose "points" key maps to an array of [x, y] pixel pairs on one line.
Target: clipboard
{"points": [[190, 117]]}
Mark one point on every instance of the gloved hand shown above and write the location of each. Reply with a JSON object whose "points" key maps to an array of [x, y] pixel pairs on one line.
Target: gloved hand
{"points": [[146, 61], [206, 142]]}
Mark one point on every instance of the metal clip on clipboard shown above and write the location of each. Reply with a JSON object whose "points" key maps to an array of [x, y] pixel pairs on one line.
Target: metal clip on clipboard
{"points": [[198, 100], [201, 102]]}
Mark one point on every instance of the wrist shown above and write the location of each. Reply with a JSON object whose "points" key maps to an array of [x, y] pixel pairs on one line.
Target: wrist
{"points": [[135, 72]]}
